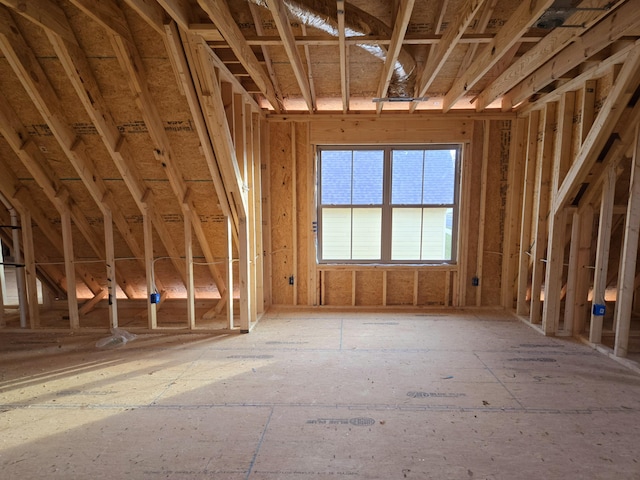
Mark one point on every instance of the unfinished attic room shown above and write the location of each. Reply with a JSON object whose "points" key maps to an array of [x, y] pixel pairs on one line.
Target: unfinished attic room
{"points": [[319, 239]]}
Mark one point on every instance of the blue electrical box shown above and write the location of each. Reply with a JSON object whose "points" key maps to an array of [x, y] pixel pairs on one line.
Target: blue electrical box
{"points": [[599, 310], [154, 298]]}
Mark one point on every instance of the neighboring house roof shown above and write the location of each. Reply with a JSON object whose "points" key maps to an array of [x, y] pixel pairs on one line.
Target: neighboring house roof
{"points": [[418, 177]]}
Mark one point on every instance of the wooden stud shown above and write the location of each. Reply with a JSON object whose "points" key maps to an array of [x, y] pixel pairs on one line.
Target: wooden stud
{"points": [[147, 227], [72, 300], [312, 279], [31, 277], [584, 260], [460, 289], [258, 131], [602, 252], [111, 269], [244, 276], [624, 299], [541, 211], [353, 288], [384, 288], [588, 108], [191, 289], [415, 287], [553, 273], [557, 221], [483, 204], [294, 211], [527, 206], [3, 287], [252, 191], [512, 212], [229, 293]]}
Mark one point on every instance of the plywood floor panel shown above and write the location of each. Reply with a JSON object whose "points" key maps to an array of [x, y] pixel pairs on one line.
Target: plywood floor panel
{"points": [[315, 394]]}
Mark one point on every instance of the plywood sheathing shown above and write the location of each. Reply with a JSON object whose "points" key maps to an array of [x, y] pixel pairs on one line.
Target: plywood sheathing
{"points": [[380, 286], [281, 188]]}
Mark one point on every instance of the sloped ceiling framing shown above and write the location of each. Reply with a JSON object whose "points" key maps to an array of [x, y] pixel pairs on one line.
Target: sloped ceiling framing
{"points": [[145, 115]]}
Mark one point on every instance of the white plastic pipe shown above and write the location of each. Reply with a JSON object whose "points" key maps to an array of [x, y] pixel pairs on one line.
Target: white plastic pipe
{"points": [[17, 259]]}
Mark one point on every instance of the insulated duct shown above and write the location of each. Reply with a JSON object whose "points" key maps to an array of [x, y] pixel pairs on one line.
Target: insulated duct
{"points": [[323, 15]]}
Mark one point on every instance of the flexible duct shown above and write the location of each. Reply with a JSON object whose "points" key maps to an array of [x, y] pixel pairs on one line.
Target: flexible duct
{"points": [[323, 16]]}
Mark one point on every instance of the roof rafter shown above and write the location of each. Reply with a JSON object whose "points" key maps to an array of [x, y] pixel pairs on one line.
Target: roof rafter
{"points": [[443, 49], [278, 10], [219, 13], [549, 46], [526, 13], [19, 194], [34, 161], [131, 63], [344, 57], [625, 18], [604, 124], [399, 31], [24, 63]]}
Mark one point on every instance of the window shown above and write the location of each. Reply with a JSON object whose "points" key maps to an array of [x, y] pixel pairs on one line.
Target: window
{"points": [[388, 204]]}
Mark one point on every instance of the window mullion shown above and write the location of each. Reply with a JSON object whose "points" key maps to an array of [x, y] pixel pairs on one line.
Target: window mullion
{"points": [[387, 211]]}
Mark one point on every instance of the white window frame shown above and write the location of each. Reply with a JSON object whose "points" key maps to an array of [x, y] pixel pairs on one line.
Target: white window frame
{"points": [[387, 207]]}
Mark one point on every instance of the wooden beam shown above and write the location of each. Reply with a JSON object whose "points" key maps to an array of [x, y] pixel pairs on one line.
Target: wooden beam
{"points": [[110, 255], [279, 12], [513, 211], [541, 210], [399, 30], [220, 15], [480, 26], [545, 50], [177, 52], [607, 119], [443, 49], [267, 56], [81, 76], [149, 259], [344, 58], [44, 13], [587, 109], [31, 278], [519, 22], [229, 293], [219, 129], [191, 288], [27, 68], [602, 252], [624, 19], [151, 12], [483, 204], [527, 205], [624, 298], [578, 275], [553, 273], [12, 188], [72, 300], [557, 221], [91, 304], [35, 162]]}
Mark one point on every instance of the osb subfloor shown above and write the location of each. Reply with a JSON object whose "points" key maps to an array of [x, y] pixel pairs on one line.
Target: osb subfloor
{"points": [[319, 395]]}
